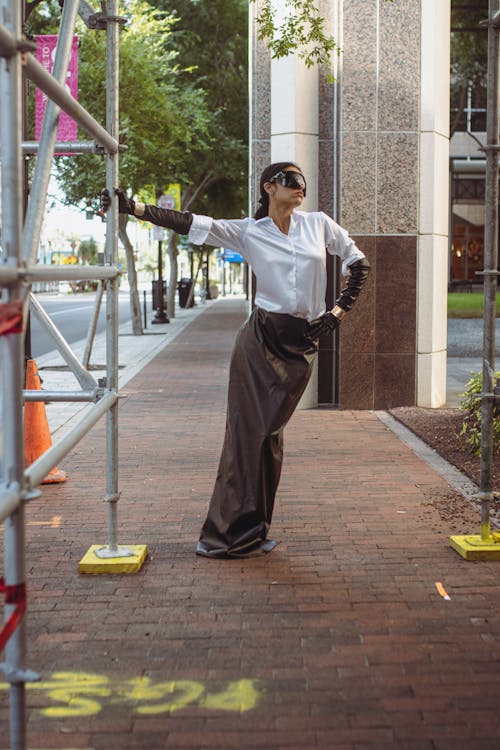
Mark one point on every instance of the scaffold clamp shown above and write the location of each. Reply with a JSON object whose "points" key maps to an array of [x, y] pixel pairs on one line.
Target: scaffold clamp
{"points": [[13, 675]]}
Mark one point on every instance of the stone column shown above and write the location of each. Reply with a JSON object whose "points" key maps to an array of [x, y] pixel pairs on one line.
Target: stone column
{"points": [[394, 199], [432, 282], [377, 143]]}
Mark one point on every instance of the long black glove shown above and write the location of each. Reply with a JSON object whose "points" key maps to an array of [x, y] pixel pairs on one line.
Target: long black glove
{"points": [[326, 323], [125, 205], [359, 273], [179, 221]]}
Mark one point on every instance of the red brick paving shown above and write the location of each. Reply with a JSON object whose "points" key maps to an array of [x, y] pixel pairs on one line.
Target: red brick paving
{"points": [[339, 635]]}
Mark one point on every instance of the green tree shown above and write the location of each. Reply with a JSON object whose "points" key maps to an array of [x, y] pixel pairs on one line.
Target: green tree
{"points": [[162, 123], [210, 40], [87, 252]]}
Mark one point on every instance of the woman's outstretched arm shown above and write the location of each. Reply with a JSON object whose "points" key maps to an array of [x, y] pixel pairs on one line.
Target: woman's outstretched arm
{"points": [[179, 221]]}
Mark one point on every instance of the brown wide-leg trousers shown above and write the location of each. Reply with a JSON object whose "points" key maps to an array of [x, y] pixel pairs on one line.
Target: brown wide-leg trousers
{"points": [[270, 367]]}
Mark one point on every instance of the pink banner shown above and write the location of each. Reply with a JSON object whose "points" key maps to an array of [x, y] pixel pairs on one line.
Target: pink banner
{"points": [[45, 51]]}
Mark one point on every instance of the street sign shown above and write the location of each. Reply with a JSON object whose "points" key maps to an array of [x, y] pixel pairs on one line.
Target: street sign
{"points": [[231, 256]]}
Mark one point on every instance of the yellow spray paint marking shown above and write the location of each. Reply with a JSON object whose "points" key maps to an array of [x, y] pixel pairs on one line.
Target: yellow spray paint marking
{"points": [[54, 523], [238, 696], [442, 591], [183, 693], [85, 694], [71, 689]]}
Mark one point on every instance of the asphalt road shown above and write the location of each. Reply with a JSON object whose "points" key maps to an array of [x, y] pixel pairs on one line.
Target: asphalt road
{"points": [[71, 313]]}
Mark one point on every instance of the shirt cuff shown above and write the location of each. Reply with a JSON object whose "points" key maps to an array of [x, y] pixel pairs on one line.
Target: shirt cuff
{"points": [[200, 229]]}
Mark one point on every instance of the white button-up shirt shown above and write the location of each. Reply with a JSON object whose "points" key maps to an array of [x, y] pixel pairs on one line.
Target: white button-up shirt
{"points": [[290, 268]]}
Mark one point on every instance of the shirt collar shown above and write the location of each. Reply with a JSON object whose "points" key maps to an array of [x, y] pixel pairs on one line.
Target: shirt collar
{"points": [[293, 219]]}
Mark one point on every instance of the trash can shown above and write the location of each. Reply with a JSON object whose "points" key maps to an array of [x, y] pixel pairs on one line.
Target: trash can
{"points": [[184, 286]]}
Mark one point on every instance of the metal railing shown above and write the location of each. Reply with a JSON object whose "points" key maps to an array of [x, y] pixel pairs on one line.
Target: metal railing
{"points": [[19, 242]]}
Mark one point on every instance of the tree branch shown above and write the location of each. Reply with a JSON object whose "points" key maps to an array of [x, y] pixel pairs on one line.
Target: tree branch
{"points": [[208, 179]]}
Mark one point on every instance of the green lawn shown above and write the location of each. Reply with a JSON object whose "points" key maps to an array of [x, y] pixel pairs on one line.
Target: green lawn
{"points": [[468, 305]]}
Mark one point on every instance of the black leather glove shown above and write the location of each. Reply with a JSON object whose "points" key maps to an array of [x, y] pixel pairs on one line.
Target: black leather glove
{"points": [[359, 271], [125, 205], [179, 221], [326, 323], [105, 200]]}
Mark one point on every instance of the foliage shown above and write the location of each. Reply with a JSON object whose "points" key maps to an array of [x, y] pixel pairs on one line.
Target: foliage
{"points": [[41, 16], [301, 31], [162, 124], [470, 432], [88, 252], [210, 40], [183, 102]]}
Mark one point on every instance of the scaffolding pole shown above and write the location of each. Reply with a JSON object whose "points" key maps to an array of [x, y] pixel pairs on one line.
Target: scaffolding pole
{"points": [[111, 256], [486, 545], [12, 356], [17, 270], [490, 272]]}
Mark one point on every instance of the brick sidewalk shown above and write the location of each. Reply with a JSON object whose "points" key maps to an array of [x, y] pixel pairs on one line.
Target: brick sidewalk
{"points": [[338, 639]]}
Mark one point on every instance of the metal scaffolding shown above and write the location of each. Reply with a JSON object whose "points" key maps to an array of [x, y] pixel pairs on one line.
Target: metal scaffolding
{"points": [[18, 270], [486, 545]]}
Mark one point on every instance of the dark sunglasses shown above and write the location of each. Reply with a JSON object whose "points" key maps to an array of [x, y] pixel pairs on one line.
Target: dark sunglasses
{"points": [[289, 179]]}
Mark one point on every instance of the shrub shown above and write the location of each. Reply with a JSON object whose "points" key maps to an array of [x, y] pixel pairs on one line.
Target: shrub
{"points": [[470, 432]]}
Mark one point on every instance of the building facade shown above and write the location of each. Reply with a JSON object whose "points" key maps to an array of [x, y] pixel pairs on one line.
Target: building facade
{"points": [[374, 145]]}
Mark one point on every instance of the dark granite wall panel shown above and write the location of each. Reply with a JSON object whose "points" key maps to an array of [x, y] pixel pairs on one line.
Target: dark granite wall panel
{"points": [[395, 309], [378, 337], [357, 373], [394, 380], [358, 328]]}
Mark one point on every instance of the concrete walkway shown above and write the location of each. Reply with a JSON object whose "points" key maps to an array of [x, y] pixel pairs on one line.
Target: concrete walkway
{"points": [[340, 639]]}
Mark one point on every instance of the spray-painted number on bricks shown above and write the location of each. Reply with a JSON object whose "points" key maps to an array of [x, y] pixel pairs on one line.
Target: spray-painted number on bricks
{"points": [[84, 694]]}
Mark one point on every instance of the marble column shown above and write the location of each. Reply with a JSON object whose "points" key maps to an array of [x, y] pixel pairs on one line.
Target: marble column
{"points": [[376, 144], [394, 199]]}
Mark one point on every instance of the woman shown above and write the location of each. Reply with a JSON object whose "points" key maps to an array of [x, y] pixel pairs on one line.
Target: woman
{"points": [[274, 350]]}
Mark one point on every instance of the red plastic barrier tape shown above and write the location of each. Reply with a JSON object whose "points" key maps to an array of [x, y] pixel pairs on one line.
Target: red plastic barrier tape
{"points": [[13, 595], [11, 317]]}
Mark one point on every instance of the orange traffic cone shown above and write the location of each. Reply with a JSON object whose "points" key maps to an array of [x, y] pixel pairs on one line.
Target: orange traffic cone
{"points": [[37, 438]]}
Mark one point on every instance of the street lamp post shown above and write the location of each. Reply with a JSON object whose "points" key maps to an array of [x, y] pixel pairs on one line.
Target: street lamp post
{"points": [[160, 315]]}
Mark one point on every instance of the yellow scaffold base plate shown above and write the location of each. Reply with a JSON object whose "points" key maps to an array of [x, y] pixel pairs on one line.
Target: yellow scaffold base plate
{"points": [[91, 563], [473, 547]]}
